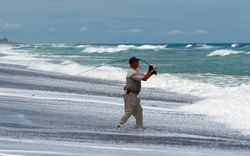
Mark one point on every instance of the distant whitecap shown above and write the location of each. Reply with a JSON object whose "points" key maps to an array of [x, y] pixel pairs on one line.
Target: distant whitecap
{"points": [[234, 45], [189, 46], [224, 52]]}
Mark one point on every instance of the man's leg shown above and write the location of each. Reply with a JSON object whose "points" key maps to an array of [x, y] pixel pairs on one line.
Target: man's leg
{"points": [[138, 114], [129, 108]]}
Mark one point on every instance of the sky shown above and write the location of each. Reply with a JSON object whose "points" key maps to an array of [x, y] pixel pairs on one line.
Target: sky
{"points": [[125, 21]]}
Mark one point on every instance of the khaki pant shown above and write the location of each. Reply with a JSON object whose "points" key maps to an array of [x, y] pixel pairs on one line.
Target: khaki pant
{"points": [[132, 107]]}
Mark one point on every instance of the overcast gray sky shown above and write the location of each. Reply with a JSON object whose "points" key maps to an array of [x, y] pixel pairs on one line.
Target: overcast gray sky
{"points": [[125, 21]]}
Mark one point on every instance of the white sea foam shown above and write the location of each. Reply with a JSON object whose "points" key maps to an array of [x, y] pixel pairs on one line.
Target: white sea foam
{"points": [[73, 68], [13, 55], [180, 84], [120, 48], [229, 106], [189, 46], [226, 105], [108, 49], [5, 48], [204, 46], [234, 45], [224, 52], [17, 56], [151, 47], [61, 45], [82, 46]]}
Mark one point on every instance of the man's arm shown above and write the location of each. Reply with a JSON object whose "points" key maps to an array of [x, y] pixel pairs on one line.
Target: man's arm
{"points": [[149, 73], [147, 76]]}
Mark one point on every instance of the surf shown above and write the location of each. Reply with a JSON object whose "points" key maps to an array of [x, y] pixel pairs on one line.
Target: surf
{"points": [[225, 52]]}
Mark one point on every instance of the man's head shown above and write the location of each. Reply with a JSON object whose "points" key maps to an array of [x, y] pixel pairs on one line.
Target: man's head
{"points": [[134, 62]]}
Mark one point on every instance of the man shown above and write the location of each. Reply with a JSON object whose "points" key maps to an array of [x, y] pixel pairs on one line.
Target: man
{"points": [[131, 90]]}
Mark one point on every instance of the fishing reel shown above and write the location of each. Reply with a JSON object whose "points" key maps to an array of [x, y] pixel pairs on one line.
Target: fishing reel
{"points": [[154, 68]]}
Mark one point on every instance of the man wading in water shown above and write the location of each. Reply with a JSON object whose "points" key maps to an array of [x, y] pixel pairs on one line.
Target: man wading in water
{"points": [[131, 90]]}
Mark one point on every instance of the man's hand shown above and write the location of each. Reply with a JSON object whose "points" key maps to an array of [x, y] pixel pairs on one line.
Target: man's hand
{"points": [[154, 72], [150, 68], [150, 72]]}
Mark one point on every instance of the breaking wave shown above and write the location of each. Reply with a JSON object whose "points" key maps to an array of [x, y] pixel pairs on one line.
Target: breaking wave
{"points": [[61, 45], [234, 45], [204, 46], [224, 52], [120, 48], [108, 49], [151, 47], [229, 107], [189, 46]]}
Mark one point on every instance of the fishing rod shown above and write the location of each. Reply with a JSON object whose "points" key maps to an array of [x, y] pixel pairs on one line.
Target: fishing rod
{"points": [[145, 62], [154, 65], [116, 61], [123, 60]]}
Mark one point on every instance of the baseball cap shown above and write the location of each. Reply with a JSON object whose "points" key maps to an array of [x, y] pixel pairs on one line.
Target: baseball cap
{"points": [[133, 59]]}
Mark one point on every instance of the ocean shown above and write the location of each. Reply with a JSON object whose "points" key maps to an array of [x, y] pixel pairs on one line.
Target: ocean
{"points": [[65, 99]]}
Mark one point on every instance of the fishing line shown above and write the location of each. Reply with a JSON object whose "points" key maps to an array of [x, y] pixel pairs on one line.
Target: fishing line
{"points": [[123, 60], [145, 62]]}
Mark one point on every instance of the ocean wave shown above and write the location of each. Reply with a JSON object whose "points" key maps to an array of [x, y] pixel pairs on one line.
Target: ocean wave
{"points": [[57, 65], [229, 107], [120, 48], [4, 50], [82, 46], [189, 46], [224, 52], [151, 47], [19, 56], [60, 45], [108, 49], [234, 45], [204, 46], [74, 68]]}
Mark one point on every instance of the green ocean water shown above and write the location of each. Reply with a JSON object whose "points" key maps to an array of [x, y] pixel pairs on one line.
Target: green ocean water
{"points": [[224, 59]]}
